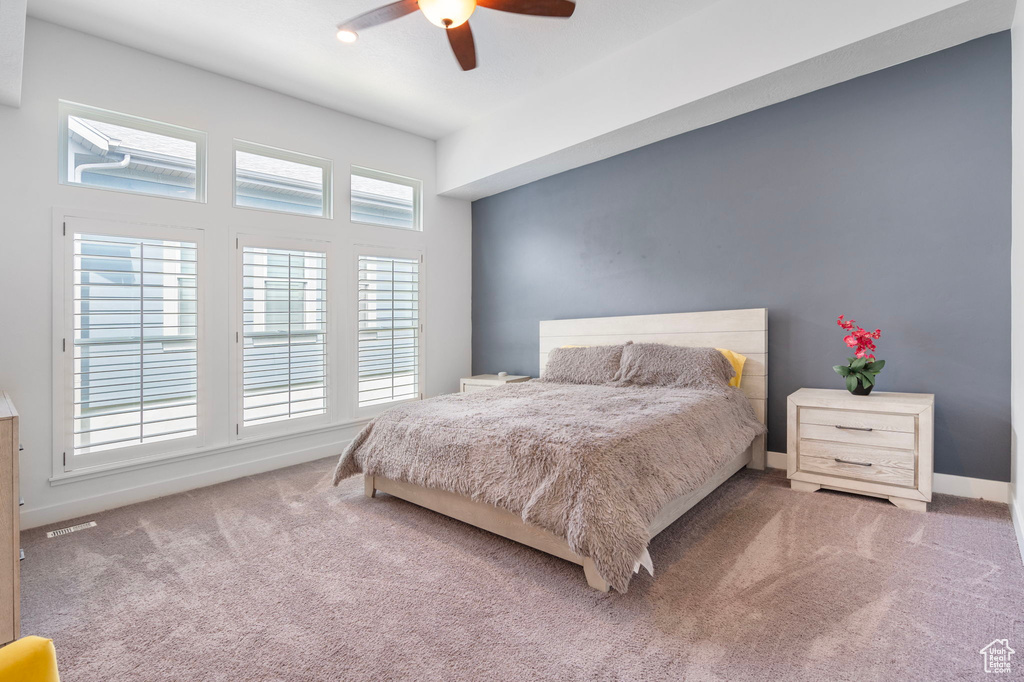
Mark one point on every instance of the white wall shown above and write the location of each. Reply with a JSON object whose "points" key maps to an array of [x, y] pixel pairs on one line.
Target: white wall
{"points": [[63, 64], [1017, 286]]}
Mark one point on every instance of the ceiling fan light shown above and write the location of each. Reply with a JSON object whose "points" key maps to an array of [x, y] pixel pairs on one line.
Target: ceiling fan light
{"points": [[447, 13], [347, 36]]}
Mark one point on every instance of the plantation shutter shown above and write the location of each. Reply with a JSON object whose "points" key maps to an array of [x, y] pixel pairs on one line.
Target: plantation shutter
{"points": [[135, 341], [284, 334], [389, 329]]}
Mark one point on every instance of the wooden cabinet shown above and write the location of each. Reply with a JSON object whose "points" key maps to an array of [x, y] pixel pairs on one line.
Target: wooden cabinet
{"points": [[9, 522], [481, 382], [879, 444]]}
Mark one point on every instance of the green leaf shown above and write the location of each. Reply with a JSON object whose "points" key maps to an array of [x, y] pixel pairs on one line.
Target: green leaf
{"points": [[851, 382], [858, 364], [851, 360], [877, 366], [866, 380], [841, 370]]}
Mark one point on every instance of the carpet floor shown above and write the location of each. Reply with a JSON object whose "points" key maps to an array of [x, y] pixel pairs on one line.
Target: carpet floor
{"points": [[282, 577]]}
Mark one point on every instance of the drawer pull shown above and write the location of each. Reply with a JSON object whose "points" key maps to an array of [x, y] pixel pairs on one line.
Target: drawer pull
{"points": [[850, 461], [855, 428]]}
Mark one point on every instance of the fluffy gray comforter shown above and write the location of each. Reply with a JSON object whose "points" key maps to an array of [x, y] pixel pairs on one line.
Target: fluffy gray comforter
{"points": [[591, 464]]}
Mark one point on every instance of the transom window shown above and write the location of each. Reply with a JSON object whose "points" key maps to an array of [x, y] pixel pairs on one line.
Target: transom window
{"points": [[279, 180], [385, 199], [108, 150]]}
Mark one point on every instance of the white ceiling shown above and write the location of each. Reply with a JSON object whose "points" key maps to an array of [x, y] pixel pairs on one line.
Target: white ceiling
{"points": [[401, 73]]}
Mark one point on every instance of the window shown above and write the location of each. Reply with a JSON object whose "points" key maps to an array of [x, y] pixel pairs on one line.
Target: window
{"points": [[132, 343], [114, 151], [389, 329], [279, 180], [284, 334], [384, 199]]}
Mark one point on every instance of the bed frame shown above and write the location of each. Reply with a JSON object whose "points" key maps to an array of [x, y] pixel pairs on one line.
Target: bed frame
{"points": [[743, 331]]}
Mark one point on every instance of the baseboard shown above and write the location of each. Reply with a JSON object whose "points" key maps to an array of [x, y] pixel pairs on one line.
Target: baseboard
{"points": [[961, 486], [964, 486], [1017, 515], [63, 511], [777, 460]]}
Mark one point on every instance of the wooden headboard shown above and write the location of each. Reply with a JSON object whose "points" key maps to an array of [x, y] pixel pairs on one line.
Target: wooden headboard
{"points": [[743, 331]]}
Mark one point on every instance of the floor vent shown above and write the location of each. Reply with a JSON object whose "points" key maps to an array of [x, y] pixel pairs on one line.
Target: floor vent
{"points": [[70, 529]]}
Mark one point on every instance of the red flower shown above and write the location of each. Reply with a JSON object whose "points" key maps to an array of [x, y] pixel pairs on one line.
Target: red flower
{"points": [[859, 338]]}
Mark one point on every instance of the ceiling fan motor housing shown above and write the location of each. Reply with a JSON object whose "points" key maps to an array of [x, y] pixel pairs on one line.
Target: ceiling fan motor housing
{"points": [[447, 13]]}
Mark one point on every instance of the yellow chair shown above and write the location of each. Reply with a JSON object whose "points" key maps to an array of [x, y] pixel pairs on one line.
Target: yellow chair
{"points": [[30, 659]]}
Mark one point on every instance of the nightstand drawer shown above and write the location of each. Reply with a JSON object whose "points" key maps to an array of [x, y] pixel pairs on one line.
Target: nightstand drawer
{"points": [[871, 472], [859, 435], [897, 459], [853, 419]]}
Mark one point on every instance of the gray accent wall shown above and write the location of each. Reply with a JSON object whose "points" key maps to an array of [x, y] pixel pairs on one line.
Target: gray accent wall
{"points": [[885, 198]]}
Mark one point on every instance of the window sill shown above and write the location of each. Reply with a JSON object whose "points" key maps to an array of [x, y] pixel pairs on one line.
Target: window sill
{"points": [[99, 471], [277, 211], [416, 230]]}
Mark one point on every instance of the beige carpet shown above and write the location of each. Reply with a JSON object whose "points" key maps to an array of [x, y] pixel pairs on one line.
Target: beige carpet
{"points": [[281, 577]]}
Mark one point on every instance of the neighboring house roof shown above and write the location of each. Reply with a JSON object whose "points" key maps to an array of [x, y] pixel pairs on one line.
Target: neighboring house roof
{"points": [[278, 168], [374, 187], [139, 140], [150, 153]]}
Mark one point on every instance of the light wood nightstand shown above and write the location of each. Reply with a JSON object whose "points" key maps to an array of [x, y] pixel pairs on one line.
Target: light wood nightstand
{"points": [[879, 445], [484, 381]]}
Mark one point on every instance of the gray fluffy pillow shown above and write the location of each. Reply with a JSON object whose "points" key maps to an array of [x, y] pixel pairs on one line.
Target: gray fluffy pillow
{"points": [[657, 364], [584, 365]]}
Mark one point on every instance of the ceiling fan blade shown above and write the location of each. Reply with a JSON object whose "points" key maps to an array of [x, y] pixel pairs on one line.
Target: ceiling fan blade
{"points": [[461, 40], [540, 8], [380, 15]]}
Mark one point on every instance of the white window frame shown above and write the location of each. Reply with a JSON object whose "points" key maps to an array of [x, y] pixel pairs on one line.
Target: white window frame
{"points": [[417, 196], [67, 109], [325, 165], [300, 424], [385, 252], [64, 461]]}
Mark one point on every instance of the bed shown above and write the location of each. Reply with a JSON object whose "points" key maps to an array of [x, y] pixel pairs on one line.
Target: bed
{"points": [[455, 448]]}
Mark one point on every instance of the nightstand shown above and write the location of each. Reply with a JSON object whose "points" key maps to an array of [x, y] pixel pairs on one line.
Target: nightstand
{"points": [[879, 444], [484, 381]]}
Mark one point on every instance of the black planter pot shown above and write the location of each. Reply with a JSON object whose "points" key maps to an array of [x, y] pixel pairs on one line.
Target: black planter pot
{"points": [[860, 390]]}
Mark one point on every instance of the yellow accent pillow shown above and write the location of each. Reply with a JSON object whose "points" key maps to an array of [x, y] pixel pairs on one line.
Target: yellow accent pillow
{"points": [[737, 361], [30, 659]]}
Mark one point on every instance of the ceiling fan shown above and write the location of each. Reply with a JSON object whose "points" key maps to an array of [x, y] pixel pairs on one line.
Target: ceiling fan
{"points": [[453, 16]]}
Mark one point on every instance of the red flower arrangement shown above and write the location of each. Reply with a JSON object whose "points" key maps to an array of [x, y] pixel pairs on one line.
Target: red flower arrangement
{"points": [[858, 338], [863, 368]]}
